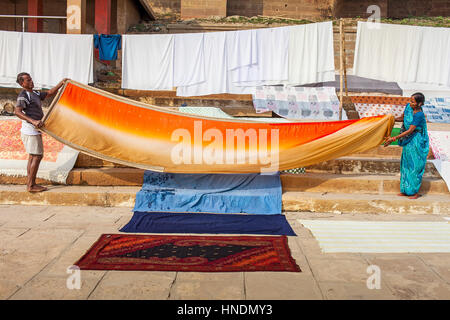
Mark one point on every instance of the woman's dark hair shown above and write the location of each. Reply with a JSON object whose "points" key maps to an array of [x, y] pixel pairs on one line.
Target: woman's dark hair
{"points": [[420, 98], [20, 76]]}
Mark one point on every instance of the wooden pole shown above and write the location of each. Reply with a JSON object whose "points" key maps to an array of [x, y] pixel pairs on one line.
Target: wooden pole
{"points": [[341, 67], [345, 60]]}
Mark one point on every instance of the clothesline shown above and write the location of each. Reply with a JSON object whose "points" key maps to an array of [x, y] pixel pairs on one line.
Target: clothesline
{"points": [[228, 62], [379, 54]]}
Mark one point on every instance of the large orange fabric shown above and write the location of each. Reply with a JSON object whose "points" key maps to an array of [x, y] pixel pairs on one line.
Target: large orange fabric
{"points": [[132, 133]]}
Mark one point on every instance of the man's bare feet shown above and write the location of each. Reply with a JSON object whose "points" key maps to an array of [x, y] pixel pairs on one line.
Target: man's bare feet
{"points": [[37, 188], [415, 196], [401, 194]]}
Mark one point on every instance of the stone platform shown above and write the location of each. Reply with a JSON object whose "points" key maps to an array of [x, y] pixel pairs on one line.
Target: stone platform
{"points": [[362, 183]]}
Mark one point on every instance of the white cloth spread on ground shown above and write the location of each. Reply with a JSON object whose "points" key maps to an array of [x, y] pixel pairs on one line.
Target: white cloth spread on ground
{"points": [[380, 236], [10, 57], [313, 103], [188, 63], [50, 57], [440, 146], [402, 53], [214, 112], [147, 62]]}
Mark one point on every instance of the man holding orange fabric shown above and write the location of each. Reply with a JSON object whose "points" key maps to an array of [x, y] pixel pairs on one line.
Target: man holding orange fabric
{"points": [[29, 109]]}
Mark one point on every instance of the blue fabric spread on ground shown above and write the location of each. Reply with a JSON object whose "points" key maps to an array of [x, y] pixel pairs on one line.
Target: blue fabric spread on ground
{"points": [[108, 44], [210, 193], [168, 222]]}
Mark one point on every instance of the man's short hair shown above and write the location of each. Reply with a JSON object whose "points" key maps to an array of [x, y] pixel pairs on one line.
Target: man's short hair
{"points": [[20, 76]]}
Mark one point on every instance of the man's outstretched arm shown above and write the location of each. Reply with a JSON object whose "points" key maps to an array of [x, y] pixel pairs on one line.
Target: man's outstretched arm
{"points": [[55, 89]]}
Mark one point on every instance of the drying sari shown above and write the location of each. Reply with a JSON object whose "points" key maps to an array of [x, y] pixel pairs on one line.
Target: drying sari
{"points": [[414, 153]]}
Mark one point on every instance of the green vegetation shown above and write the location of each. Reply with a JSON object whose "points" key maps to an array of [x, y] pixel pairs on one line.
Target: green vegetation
{"points": [[255, 20], [160, 25], [421, 21]]}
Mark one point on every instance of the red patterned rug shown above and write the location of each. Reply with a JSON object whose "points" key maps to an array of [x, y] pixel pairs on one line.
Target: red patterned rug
{"points": [[56, 164], [189, 253]]}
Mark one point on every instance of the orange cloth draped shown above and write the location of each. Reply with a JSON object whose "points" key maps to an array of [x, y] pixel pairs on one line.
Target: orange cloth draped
{"points": [[128, 132]]}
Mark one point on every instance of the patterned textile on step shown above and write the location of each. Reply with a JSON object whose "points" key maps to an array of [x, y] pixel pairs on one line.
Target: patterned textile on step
{"points": [[437, 109], [319, 103], [56, 164], [440, 146], [369, 106]]}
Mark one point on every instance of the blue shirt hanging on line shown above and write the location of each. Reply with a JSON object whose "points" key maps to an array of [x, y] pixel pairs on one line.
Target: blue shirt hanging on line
{"points": [[108, 44]]}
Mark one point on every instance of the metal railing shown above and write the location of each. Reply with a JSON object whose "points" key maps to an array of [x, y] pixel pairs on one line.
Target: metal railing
{"points": [[33, 17]]}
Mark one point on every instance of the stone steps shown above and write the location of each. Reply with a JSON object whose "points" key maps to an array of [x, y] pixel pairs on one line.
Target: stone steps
{"points": [[308, 182], [355, 184], [362, 165], [362, 183], [391, 152], [291, 201]]}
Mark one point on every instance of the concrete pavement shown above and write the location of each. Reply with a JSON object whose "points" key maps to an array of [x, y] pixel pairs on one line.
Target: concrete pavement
{"points": [[39, 243]]}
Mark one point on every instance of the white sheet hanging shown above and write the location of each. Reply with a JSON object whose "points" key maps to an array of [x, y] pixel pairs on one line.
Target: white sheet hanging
{"points": [[402, 53], [147, 62], [189, 62], [215, 68], [311, 53], [272, 59], [217, 76], [10, 57], [50, 57], [310, 56], [242, 48], [429, 90]]}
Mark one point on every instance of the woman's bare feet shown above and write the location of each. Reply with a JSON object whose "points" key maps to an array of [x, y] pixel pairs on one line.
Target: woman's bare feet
{"points": [[37, 188], [401, 194], [414, 196]]}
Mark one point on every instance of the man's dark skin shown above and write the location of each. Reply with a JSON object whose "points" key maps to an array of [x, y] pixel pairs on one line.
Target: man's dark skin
{"points": [[34, 160]]}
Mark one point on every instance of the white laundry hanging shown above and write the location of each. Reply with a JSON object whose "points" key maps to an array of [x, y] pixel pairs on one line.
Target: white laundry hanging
{"points": [[147, 62], [10, 57], [242, 48], [215, 68], [189, 62], [409, 54], [272, 59], [311, 53], [50, 57]]}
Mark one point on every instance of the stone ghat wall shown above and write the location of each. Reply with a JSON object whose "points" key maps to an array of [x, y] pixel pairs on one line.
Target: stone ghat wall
{"points": [[301, 9]]}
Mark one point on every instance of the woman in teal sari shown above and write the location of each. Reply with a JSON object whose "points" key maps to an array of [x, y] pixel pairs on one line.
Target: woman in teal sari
{"points": [[414, 140]]}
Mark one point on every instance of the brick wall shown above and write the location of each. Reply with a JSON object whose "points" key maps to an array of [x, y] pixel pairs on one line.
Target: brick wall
{"points": [[245, 8], [405, 8], [298, 9], [18, 7], [358, 8], [203, 8], [165, 6]]}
